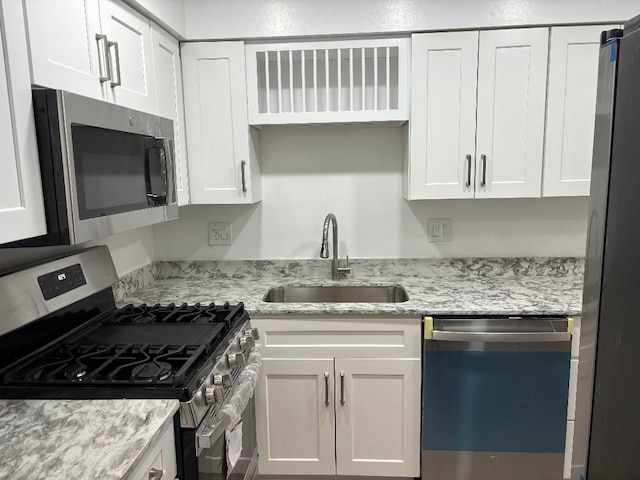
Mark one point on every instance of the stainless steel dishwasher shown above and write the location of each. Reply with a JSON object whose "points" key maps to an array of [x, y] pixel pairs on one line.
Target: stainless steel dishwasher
{"points": [[494, 397]]}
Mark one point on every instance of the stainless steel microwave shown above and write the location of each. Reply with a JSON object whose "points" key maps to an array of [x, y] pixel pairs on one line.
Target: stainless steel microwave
{"points": [[105, 168]]}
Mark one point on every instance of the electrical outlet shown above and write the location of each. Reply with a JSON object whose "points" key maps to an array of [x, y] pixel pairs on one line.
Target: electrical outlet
{"points": [[219, 233], [439, 230]]}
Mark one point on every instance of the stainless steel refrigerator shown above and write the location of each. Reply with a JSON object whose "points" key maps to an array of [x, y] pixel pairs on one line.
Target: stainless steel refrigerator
{"points": [[607, 425]]}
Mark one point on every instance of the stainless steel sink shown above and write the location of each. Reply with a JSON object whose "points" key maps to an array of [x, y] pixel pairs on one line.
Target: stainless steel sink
{"points": [[338, 294]]}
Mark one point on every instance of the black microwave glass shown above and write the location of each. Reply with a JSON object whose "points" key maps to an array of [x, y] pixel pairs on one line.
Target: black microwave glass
{"points": [[116, 172]]}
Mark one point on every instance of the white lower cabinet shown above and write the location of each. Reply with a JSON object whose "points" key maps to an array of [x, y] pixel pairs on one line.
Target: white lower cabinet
{"points": [[377, 417], [160, 462], [350, 408], [296, 429]]}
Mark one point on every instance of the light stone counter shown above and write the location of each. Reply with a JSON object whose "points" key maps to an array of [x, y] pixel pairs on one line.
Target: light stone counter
{"points": [[435, 287], [78, 439]]}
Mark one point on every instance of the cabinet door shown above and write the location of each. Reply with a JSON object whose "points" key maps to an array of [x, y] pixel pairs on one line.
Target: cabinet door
{"points": [[295, 425], [64, 50], [132, 81], [21, 203], [512, 81], [378, 417], [223, 164], [168, 80], [443, 115], [571, 109]]}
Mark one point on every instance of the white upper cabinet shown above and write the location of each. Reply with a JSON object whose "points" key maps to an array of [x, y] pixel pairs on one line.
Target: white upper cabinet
{"points": [[477, 114], [131, 62], [21, 204], [328, 82], [97, 48], [64, 49], [168, 80], [571, 107], [512, 81], [223, 162], [444, 77]]}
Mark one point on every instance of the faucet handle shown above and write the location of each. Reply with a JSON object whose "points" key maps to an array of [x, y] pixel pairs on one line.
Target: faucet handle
{"points": [[345, 269]]}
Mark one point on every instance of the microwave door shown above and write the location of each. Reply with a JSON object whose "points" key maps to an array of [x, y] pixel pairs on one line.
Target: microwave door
{"points": [[120, 181]]}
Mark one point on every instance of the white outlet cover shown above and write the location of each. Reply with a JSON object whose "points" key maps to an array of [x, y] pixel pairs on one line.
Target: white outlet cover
{"points": [[219, 234], [439, 230]]}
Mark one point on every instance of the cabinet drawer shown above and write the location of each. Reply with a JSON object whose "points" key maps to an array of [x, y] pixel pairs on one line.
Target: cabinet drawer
{"points": [[161, 456], [362, 337]]}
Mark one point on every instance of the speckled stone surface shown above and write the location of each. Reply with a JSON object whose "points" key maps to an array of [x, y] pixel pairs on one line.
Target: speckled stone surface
{"points": [[134, 281], [78, 439], [436, 287]]}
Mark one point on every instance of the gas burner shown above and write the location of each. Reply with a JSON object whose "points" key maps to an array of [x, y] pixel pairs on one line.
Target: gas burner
{"points": [[151, 371]]}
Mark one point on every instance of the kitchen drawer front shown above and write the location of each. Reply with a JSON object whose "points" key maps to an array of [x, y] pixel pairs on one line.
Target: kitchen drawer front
{"points": [[161, 456], [321, 336]]}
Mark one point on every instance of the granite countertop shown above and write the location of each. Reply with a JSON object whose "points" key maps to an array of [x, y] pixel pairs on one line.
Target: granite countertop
{"points": [[468, 289], [78, 439]]}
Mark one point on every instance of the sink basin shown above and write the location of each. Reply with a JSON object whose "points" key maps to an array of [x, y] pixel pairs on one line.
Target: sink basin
{"points": [[338, 294]]}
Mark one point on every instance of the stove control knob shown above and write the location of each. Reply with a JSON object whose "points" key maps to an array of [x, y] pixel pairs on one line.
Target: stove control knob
{"points": [[235, 360], [253, 333], [213, 395], [222, 380], [246, 343]]}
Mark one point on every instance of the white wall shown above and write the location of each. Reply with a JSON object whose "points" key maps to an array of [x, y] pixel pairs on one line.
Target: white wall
{"points": [[129, 250], [356, 173], [218, 19]]}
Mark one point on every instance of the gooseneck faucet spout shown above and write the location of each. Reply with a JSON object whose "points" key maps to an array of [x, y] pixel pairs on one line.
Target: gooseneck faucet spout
{"points": [[336, 269]]}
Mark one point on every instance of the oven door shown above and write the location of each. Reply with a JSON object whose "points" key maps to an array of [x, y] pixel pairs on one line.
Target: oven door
{"points": [[214, 462], [120, 168]]}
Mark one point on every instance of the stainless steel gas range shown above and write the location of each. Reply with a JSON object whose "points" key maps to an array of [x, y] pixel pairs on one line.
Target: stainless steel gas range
{"points": [[61, 336]]}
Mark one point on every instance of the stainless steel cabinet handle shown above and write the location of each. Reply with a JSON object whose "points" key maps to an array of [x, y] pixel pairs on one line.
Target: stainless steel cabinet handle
{"points": [[468, 184], [103, 58], [116, 49], [341, 388], [483, 159], [155, 474], [326, 388], [506, 337], [244, 184]]}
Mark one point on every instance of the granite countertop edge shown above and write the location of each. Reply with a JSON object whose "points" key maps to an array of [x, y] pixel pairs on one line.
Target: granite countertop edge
{"points": [[500, 295]]}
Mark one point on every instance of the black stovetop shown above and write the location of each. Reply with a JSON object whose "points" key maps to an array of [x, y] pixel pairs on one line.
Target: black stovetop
{"points": [[136, 351]]}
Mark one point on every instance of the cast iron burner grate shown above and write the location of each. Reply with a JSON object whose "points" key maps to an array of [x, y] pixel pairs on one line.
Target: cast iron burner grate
{"points": [[109, 364]]}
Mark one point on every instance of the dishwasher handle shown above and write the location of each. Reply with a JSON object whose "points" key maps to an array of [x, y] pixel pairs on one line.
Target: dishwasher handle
{"points": [[501, 337]]}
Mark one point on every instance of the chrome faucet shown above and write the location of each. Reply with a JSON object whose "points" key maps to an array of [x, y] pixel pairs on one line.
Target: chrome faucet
{"points": [[336, 269]]}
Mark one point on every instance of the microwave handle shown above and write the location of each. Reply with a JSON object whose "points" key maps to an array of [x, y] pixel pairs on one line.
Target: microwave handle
{"points": [[168, 159], [167, 171], [154, 199]]}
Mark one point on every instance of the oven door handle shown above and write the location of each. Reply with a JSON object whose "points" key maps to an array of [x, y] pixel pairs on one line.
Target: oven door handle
{"points": [[207, 435]]}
